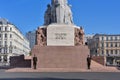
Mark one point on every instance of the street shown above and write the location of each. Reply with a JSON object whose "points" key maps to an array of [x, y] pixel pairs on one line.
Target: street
{"points": [[59, 76]]}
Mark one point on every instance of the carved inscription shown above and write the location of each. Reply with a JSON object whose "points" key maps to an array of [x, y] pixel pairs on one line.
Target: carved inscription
{"points": [[60, 36]]}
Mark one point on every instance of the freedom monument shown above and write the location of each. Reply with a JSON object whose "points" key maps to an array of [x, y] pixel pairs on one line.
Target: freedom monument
{"points": [[59, 42]]}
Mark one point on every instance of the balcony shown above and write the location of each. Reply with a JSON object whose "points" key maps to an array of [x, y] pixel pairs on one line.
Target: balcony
{"points": [[113, 55]]}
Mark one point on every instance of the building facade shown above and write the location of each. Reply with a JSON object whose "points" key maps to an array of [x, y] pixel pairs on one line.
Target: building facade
{"points": [[31, 35], [88, 37], [12, 42], [107, 46]]}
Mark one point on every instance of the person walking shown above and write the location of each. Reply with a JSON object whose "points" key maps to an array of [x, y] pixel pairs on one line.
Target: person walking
{"points": [[88, 61], [34, 61]]}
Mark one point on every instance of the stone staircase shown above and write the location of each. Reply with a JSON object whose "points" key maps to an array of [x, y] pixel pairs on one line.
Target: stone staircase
{"points": [[96, 67]]}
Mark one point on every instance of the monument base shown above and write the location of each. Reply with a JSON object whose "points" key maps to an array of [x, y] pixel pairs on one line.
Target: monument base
{"points": [[61, 56]]}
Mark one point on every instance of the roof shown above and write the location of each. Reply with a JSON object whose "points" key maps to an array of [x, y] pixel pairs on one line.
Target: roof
{"points": [[107, 35], [4, 21]]}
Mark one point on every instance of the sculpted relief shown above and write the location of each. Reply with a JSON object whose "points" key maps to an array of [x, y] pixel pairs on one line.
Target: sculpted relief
{"points": [[79, 36], [41, 37]]}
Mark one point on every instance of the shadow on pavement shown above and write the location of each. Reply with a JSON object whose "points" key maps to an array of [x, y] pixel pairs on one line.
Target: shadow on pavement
{"points": [[39, 79]]}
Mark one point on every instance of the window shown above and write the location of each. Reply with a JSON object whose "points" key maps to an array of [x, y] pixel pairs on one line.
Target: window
{"points": [[0, 35], [102, 38], [102, 52], [107, 52], [0, 58], [5, 50], [115, 51], [116, 38], [96, 43], [0, 29], [5, 35], [10, 49], [102, 44], [5, 43], [10, 43], [107, 38], [111, 38], [10, 29], [111, 45], [5, 28], [0, 43], [106, 44], [10, 35], [0, 50], [115, 44], [111, 51], [5, 58]]}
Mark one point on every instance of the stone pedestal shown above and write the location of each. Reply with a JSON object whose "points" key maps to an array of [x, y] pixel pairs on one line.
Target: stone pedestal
{"points": [[60, 46], [60, 35], [61, 56]]}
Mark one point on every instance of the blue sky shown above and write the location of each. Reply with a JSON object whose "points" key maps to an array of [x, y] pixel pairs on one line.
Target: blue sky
{"points": [[96, 16]]}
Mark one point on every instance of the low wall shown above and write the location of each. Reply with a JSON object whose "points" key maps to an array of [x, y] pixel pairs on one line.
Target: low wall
{"points": [[61, 56], [20, 61], [98, 59]]}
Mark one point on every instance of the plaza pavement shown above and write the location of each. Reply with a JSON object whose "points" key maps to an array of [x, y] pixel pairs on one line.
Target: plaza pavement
{"points": [[95, 67]]}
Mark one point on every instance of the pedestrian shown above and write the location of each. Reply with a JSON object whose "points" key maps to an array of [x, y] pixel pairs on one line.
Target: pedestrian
{"points": [[34, 61], [89, 61]]}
